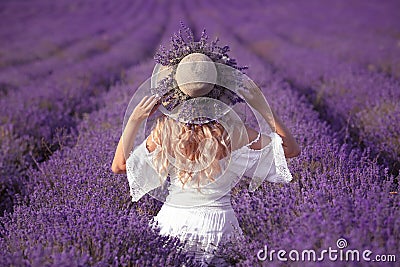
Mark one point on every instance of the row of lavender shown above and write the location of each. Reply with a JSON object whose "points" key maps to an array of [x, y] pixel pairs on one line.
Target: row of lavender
{"points": [[359, 31], [362, 32], [334, 182], [359, 101], [54, 26], [41, 116], [79, 213], [104, 30]]}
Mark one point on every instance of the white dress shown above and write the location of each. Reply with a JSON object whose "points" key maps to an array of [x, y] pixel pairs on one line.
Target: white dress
{"points": [[206, 219]]}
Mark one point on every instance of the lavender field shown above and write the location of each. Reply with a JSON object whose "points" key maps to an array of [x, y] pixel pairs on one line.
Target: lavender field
{"points": [[68, 69]]}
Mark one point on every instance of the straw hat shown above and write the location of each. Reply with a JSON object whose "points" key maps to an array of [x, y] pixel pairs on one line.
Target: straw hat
{"points": [[190, 91], [196, 74], [195, 79]]}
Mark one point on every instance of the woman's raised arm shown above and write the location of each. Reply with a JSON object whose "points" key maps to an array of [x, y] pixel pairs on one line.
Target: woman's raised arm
{"points": [[257, 100], [290, 146], [144, 109]]}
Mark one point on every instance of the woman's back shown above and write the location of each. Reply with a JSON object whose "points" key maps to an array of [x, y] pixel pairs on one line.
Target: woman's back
{"points": [[241, 149], [201, 158]]}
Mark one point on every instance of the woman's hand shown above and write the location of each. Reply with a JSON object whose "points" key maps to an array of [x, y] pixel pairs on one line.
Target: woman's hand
{"points": [[256, 99], [254, 96], [145, 108]]}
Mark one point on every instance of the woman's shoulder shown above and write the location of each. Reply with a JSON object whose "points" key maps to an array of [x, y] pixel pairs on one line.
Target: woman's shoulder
{"points": [[254, 138], [151, 145], [250, 138]]}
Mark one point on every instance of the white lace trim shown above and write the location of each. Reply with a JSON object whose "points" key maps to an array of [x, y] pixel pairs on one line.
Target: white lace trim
{"points": [[279, 159], [141, 176], [255, 140], [134, 187], [278, 171], [270, 162]]}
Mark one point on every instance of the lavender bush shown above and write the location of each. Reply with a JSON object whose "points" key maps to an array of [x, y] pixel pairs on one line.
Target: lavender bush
{"points": [[358, 100], [336, 182], [40, 118]]}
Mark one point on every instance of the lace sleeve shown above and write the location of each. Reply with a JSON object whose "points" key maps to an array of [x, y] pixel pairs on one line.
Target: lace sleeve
{"points": [[272, 165], [142, 177], [268, 163]]}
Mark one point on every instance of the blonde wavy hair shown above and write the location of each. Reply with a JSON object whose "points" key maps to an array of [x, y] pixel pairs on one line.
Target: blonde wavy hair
{"points": [[191, 148]]}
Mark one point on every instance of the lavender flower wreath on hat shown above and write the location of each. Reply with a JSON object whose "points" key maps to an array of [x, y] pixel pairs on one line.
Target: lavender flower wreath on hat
{"points": [[175, 88]]}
